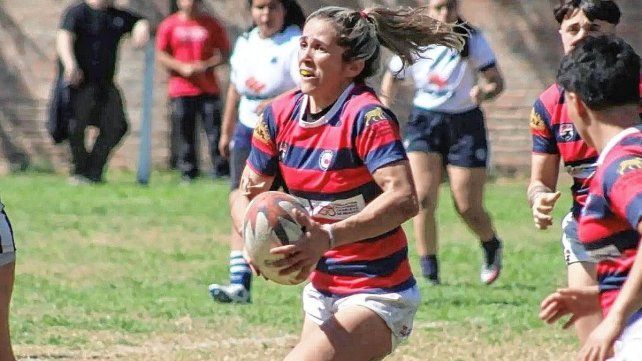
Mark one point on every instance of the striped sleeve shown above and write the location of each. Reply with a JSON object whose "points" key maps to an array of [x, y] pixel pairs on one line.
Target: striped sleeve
{"points": [[378, 141], [623, 186], [540, 126], [263, 157]]}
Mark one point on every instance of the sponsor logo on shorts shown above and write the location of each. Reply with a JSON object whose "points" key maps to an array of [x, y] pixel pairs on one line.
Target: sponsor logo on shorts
{"points": [[480, 154]]}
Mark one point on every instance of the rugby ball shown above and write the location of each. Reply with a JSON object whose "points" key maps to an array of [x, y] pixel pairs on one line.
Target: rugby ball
{"points": [[269, 223]]}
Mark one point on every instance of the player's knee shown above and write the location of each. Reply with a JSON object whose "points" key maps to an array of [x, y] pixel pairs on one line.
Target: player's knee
{"points": [[472, 214]]}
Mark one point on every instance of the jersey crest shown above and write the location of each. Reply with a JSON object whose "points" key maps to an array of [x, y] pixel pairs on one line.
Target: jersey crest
{"points": [[629, 165], [261, 131], [536, 121]]}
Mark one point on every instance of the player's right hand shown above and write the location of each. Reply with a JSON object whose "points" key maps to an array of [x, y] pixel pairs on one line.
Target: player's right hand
{"points": [[224, 146], [186, 70], [73, 75], [576, 301], [543, 205]]}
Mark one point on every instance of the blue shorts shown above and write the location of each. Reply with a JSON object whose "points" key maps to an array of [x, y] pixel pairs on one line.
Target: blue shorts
{"points": [[7, 245], [239, 152], [459, 138]]}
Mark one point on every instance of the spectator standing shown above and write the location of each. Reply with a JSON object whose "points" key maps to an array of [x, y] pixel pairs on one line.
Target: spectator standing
{"points": [[191, 44], [87, 45]]}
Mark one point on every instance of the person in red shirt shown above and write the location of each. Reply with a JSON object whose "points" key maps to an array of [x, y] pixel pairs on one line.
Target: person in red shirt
{"points": [[601, 82], [190, 45]]}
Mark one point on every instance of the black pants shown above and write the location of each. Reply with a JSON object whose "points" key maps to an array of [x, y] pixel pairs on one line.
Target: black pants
{"points": [[185, 111], [99, 105]]}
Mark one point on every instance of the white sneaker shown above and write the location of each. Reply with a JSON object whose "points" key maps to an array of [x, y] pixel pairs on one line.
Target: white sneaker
{"points": [[490, 272], [233, 293]]}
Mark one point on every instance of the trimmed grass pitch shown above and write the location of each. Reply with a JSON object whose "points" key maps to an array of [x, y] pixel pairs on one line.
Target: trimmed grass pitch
{"points": [[120, 272]]}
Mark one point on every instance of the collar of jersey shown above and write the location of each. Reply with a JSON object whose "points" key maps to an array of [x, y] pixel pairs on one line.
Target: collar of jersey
{"points": [[616, 139], [327, 116]]}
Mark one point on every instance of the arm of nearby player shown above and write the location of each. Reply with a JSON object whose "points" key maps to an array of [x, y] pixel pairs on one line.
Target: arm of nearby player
{"points": [[141, 32], [389, 85], [491, 84], [229, 119], [625, 194], [541, 189], [599, 345]]}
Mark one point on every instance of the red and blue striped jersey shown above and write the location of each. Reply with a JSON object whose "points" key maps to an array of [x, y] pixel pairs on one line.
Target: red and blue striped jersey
{"points": [[328, 164], [609, 221], [554, 133]]}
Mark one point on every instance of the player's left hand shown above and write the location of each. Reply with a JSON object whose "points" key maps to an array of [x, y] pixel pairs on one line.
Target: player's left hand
{"points": [[599, 345], [577, 301], [303, 255], [476, 94]]}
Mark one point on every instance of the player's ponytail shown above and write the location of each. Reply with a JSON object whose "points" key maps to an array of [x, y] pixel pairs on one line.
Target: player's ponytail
{"points": [[405, 31]]}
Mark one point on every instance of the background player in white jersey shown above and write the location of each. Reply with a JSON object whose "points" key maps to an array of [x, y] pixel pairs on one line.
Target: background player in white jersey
{"points": [[263, 65], [447, 128], [7, 275]]}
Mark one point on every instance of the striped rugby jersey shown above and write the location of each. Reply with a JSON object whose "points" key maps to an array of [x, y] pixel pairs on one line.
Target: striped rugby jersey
{"points": [[328, 164], [553, 132], [609, 221]]}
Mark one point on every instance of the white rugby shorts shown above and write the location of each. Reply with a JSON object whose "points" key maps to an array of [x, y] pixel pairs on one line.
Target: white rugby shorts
{"points": [[396, 309], [574, 251]]}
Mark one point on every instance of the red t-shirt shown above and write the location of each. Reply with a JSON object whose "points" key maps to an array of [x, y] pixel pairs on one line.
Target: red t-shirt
{"points": [[191, 40]]}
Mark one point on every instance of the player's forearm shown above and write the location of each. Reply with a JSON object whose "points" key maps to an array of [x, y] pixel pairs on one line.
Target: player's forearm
{"points": [[168, 61], [219, 58], [388, 89], [65, 49], [395, 205], [536, 188], [229, 111]]}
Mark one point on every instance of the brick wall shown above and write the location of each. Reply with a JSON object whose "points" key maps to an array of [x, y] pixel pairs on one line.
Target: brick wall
{"points": [[523, 34]]}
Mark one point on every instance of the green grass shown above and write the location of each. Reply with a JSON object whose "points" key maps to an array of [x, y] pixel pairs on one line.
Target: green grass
{"points": [[119, 264]]}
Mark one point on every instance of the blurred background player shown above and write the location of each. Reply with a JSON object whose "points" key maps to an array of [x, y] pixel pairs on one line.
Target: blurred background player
{"points": [[607, 118], [446, 129], [190, 45], [555, 138], [7, 276], [337, 148], [263, 65], [87, 45]]}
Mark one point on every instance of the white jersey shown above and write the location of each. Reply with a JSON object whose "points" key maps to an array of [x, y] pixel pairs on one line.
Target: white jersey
{"points": [[443, 78], [264, 68]]}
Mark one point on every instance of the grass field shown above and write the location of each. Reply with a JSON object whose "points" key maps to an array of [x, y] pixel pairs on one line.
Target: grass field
{"points": [[120, 272]]}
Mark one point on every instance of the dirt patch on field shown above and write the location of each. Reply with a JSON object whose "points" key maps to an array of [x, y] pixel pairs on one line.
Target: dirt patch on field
{"points": [[449, 343]]}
